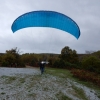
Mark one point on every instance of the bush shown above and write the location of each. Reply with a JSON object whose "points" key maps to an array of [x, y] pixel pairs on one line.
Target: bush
{"points": [[86, 76], [91, 63], [62, 64], [4, 64], [21, 65]]}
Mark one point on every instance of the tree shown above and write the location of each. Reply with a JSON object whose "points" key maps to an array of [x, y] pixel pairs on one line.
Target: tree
{"points": [[69, 55], [12, 58]]}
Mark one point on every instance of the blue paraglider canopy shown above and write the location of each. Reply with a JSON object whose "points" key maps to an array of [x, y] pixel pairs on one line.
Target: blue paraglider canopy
{"points": [[46, 19]]}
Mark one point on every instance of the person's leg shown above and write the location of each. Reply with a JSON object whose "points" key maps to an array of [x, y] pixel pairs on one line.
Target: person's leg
{"points": [[42, 70]]}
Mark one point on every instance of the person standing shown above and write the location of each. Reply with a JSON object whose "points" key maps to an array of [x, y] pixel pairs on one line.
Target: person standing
{"points": [[42, 66]]}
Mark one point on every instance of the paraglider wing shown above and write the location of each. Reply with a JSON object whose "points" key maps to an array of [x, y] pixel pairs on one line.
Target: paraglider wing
{"points": [[46, 19]]}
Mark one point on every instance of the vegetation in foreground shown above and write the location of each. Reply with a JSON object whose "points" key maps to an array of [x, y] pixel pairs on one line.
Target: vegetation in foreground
{"points": [[54, 84]]}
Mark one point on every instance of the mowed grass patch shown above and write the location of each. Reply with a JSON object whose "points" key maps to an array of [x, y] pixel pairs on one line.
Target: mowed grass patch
{"points": [[62, 73]]}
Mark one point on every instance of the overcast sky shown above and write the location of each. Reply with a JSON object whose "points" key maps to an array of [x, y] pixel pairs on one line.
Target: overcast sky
{"points": [[86, 13]]}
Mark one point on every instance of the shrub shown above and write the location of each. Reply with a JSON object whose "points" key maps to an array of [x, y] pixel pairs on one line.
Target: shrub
{"points": [[91, 63], [86, 76], [4, 64]]}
